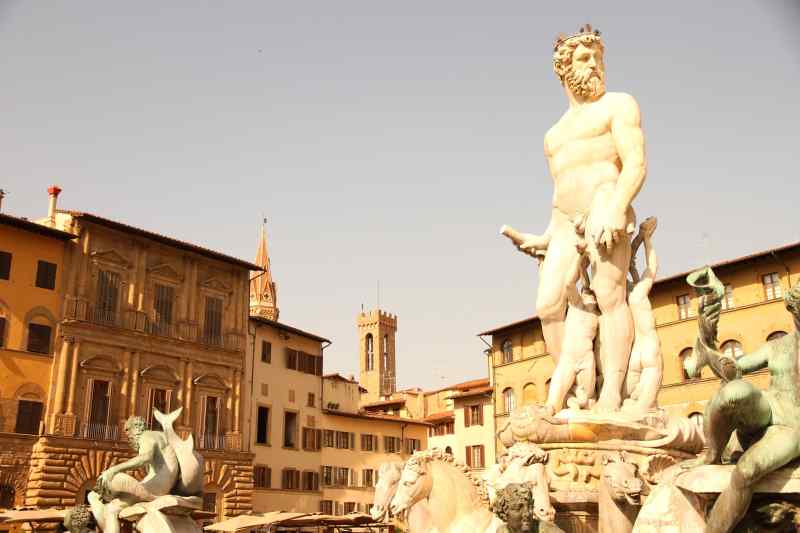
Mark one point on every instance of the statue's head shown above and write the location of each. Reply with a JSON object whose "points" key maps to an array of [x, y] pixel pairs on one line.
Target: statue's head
{"points": [[514, 506], [79, 519], [134, 427], [792, 299], [415, 484], [578, 63]]}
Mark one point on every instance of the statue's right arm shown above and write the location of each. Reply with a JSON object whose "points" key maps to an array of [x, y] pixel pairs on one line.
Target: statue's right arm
{"points": [[755, 360]]}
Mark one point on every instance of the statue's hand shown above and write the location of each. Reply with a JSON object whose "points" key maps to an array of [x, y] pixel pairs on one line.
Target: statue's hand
{"points": [[613, 229], [535, 245], [104, 480], [709, 310]]}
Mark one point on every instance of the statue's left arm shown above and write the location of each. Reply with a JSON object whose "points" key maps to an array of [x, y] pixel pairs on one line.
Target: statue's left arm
{"points": [[626, 132], [145, 457]]}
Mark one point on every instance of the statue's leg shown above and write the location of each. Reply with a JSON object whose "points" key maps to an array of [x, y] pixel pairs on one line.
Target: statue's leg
{"points": [[551, 298], [778, 446], [572, 351], [616, 326]]}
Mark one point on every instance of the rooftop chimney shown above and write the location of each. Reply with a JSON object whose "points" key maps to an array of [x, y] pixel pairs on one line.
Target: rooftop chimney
{"points": [[2, 195], [53, 191]]}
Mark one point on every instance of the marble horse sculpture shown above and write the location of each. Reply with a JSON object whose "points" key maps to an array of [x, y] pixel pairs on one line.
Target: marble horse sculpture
{"points": [[163, 500], [456, 498], [417, 517]]}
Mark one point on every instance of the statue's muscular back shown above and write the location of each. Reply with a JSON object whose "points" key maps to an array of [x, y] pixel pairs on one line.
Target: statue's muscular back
{"points": [[582, 153]]}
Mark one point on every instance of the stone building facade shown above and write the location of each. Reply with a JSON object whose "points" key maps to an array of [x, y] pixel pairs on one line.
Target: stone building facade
{"points": [[148, 322], [753, 311], [31, 293]]}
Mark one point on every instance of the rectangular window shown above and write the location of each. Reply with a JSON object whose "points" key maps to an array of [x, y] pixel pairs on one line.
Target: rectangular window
{"points": [[391, 444], [326, 507], [369, 443], [29, 415], [2, 331], [265, 389], [262, 477], [310, 481], [327, 475], [212, 324], [5, 265], [368, 477], [211, 420], [349, 507], [159, 399], [290, 480], [39, 338], [412, 445], [107, 297], [210, 502], [163, 304], [772, 286], [266, 352], [262, 425], [328, 439], [341, 476], [99, 403], [727, 299], [289, 430], [46, 275], [684, 302], [291, 359], [311, 399], [476, 415], [311, 439], [475, 456]]}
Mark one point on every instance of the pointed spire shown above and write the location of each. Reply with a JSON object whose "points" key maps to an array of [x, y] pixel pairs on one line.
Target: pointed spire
{"points": [[263, 292]]}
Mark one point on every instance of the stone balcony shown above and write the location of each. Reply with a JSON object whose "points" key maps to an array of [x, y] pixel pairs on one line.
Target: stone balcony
{"points": [[132, 320]]}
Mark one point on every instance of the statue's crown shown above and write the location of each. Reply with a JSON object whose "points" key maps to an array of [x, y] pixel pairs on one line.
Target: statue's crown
{"points": [[584, 30]]}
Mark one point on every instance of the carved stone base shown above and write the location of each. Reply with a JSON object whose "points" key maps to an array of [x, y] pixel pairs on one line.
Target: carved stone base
{"points": [[575, 474]]}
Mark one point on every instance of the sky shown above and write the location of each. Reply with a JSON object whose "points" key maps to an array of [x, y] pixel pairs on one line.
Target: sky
{"points": [[387, 142]]}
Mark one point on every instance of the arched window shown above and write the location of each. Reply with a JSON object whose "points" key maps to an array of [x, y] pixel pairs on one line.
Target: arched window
{"points": [[385, 353], [732, 348], [686, 352], [775, 335], [697, 418], [508, 351], [529, 394], [369, 363], [509, 401]]}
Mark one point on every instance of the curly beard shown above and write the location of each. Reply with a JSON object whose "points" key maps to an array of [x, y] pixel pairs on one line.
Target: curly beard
{"points": [[585, 83]]}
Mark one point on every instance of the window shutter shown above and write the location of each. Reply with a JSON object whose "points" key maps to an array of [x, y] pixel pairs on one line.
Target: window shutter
{"points": [[352, 441], [483, 458], [467, 421], [480, 415], [469, 456]]}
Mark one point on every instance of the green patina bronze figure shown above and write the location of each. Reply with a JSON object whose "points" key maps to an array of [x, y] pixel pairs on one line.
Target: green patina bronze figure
{"points": [[767, 423]]}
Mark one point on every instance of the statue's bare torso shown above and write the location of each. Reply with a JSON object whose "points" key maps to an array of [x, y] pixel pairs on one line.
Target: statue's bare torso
{"points": [[583, 155]]}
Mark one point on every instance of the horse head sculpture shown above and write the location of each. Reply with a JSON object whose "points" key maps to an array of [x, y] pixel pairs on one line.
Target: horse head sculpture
{"points": [[415, 484], [385, 489]]}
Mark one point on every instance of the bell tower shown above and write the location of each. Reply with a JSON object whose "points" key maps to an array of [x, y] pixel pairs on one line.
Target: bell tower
{"points": [[376, 333]]}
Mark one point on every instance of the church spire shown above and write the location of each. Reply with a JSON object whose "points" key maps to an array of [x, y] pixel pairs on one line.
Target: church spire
{"points": [[263, 293]]}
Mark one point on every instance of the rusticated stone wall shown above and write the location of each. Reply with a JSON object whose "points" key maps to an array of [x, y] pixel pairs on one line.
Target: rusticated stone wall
{"points": [[63, 469]]}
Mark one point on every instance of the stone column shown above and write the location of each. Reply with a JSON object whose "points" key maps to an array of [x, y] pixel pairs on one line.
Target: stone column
{"points": [[73, 379], [134, 384], [187, 409], [237, 383], [85, 266], [61, 375], [140, 277], [125, 390]]}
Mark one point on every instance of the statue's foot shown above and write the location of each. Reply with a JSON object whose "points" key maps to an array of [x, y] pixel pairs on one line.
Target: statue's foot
{"points": [[607, 404]]}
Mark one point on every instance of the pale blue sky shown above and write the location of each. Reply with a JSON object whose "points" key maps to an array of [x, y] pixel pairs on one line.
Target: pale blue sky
{"points": [[390, 140]]}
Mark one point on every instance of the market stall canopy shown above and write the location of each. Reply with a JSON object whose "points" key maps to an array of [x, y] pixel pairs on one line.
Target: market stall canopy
{"points": [[244, 522]]}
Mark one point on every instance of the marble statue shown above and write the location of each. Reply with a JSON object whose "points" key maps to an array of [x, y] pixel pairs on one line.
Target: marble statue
{"points": [[456, 497], [596, 156], [162, 501], [767, 423], [417, 517], [619, 493], [646, 365]]}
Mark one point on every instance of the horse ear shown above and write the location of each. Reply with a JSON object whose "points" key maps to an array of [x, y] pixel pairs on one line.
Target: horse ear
{"points": [[606, 459]]}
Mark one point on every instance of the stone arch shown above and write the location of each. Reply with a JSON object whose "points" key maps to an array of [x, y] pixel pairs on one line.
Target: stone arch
{"points": [[212, 381], [160, 373], [30, 391], [529, 394], [777, 334], [102, 363], [16, 479], [221, 477], [40, 311], [87, 468]]}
